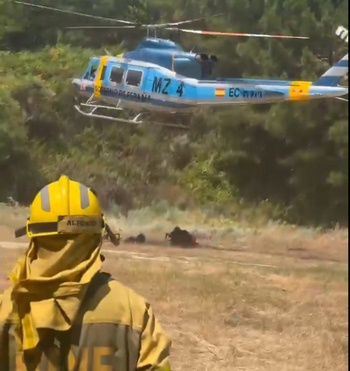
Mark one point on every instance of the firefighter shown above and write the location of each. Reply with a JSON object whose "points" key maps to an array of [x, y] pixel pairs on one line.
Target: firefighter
{"points": [[62, 313]]}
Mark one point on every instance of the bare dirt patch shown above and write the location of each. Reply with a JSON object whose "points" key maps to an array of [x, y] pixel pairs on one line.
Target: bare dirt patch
{"points": [[6, 233], [262, 303]]}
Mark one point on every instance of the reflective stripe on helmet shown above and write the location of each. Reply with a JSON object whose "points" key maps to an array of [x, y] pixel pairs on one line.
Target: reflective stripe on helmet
{"points": [[45, 199], [84, 197]]}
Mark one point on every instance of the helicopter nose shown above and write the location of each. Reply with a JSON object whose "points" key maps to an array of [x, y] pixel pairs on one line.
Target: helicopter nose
{"points": [[76, 83]]}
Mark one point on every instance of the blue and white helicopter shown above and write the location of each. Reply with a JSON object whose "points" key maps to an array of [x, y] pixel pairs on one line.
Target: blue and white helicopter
{"points": [[159, 78]]}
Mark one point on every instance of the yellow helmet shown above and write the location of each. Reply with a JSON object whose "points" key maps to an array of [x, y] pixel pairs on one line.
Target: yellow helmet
{"points": [[64, 207]]}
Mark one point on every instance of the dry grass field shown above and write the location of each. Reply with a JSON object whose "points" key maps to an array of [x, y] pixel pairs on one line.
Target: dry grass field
{"points": [[254, 300]]}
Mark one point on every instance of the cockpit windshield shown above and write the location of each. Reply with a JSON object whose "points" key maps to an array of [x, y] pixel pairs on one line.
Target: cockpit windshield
{"points": [[91, 72]]}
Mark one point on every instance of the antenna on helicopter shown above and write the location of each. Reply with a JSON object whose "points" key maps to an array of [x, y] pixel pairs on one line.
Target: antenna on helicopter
{"points": [[169, 26], [194, 47]]}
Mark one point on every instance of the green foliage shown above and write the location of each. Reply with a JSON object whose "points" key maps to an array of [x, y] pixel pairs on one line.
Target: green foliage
{"points": [[206, 184], [288, 161]]}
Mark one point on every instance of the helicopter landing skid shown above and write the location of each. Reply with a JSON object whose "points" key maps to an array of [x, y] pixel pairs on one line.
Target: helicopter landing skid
{"points": [[94, 107], [135, 121]]}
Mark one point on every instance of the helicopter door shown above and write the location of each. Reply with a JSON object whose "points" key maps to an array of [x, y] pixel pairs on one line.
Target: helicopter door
{"points": [[124, 78], [116, 75]]}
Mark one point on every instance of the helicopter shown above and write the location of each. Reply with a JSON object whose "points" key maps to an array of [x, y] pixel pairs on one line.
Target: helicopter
{"points": [[159, 78]]}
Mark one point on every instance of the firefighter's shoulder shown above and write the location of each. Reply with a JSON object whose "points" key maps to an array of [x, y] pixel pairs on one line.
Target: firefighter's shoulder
{"points": [[115, 303]]}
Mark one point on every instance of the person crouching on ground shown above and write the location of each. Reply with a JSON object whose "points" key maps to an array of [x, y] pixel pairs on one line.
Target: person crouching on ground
{"points": [[62, 313]]}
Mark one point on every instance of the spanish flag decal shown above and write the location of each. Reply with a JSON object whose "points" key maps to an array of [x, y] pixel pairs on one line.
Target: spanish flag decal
{"points": [[220, 93]]}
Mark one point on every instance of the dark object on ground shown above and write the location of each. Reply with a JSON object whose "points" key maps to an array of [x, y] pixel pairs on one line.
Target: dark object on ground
{"points": [[113, 237], [139, 239], [181, 237]]}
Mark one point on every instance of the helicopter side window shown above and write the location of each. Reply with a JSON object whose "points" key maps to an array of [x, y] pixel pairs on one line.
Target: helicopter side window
{"points": [[116, 75], [134, 78]]}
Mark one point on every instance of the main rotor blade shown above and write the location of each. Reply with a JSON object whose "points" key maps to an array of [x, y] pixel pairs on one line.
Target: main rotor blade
{"points": [[72, 12], [101, 27], [235, 34], [160, 25]]}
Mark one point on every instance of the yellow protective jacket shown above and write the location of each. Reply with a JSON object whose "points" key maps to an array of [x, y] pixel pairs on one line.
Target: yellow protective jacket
{"points": [[115, 330]]}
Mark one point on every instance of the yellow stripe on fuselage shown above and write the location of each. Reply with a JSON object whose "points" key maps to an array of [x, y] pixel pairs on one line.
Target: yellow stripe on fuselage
{"points": [[98, 81], [299, 90]]}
